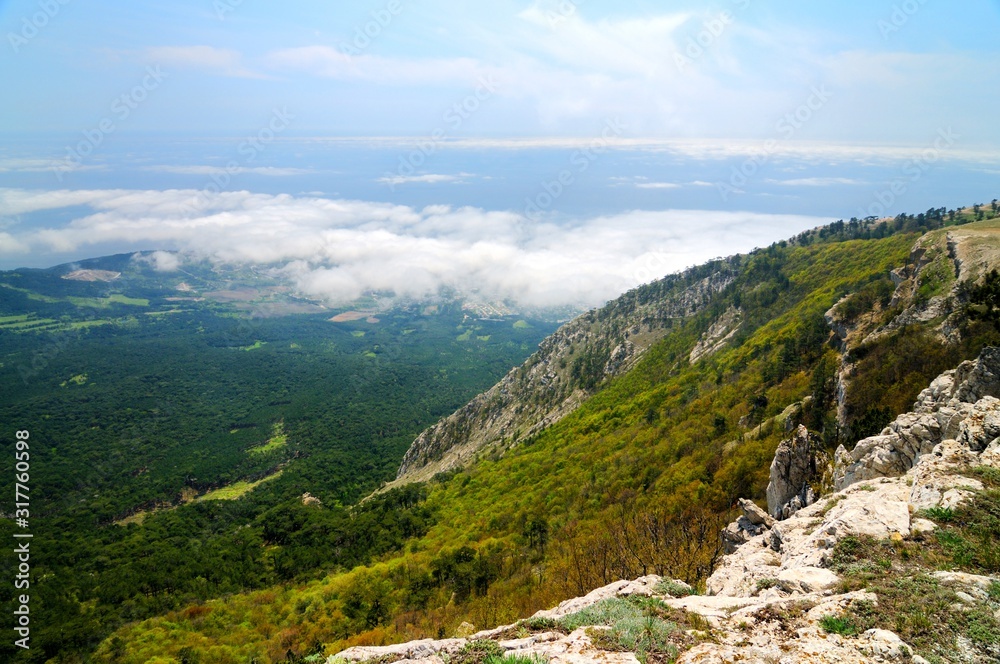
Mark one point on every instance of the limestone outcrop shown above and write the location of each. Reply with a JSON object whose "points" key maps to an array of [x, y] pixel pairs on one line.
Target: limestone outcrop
{"points": [[792, 471], [959, 405], [717, 335], [753, 522]]}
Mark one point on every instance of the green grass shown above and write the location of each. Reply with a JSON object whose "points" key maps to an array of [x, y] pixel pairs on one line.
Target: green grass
{"points": [[105, 302], [118, 298], [236, 489], [26, 323], [277, 440], [515, 659], [358, 333], [913, 604], [521, 325], [988, 474], [257, 345], [938, 513], [635, 624], [166, 312], [84, 324], [937, 277], [838, 625], [478, 652], [31, 295], [540, 624], [764, 584], [465, 336]]}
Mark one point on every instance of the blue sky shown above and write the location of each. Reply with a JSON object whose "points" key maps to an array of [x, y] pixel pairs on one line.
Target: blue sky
{"points": [[549, 152], [895, 70]]}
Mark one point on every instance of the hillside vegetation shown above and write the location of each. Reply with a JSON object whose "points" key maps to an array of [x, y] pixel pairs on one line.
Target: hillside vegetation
{"points": [[641, 477], [170, 452]]}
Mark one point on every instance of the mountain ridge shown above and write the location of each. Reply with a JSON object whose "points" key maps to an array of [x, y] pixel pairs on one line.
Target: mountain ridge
{"points": [[569, 366]]}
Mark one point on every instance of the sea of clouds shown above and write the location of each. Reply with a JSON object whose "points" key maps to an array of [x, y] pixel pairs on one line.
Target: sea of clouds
{"points": [[337, 250]]}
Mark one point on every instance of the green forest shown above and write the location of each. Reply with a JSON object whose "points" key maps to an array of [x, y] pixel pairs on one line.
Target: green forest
{"points": [[172, 442]]}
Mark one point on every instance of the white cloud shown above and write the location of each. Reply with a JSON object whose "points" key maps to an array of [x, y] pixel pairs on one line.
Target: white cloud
{"points": [[642, 182], [817, 182], [330, 63], [11, 245], [236, 170], [162, 261], [706, 148], [339, 249], [429, 178], [630, 47], [226, 62], [34, 165], [657, 185]]}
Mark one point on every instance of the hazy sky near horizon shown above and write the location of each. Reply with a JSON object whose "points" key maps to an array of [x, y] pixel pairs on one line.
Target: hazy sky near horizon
{"points": [[723, 69], [550, 151]]}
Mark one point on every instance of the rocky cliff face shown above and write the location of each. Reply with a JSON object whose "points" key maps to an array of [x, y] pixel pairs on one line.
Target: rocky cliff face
{"points": [[772, 599], [567, 368], [929, 292], [959, 405]]}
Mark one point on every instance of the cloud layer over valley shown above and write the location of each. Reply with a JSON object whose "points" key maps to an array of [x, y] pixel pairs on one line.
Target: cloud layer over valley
{"points": [[337, 250]]}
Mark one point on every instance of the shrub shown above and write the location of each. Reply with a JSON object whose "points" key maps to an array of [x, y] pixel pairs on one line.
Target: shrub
{"points": [[643, 636], [838, 625], [539, 624], [982, 628], [516, 659], [764, 584], [938, 513], [480, 651], [672, 588], [988, 474]]}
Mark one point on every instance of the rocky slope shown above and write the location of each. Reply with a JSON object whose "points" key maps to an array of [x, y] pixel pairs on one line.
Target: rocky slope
{"points": [[584, 354], [779, 595], [930, 292], [568, 367], [958, 406]]}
